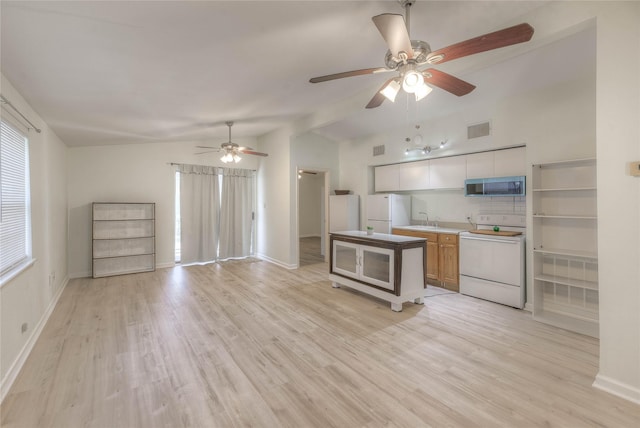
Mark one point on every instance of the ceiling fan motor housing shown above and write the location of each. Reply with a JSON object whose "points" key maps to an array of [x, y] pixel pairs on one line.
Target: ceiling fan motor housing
{"points": [[420, 51]]}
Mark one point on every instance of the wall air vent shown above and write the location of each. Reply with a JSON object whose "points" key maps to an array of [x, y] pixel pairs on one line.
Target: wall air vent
{"points": [[478, 130], [378, 150]]}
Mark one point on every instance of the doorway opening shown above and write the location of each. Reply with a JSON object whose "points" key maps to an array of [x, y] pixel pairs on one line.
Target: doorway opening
{"points": [[312, 216]]}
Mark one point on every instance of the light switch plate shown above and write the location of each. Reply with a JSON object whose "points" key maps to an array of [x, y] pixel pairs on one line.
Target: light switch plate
{"points": [[635, 169]]}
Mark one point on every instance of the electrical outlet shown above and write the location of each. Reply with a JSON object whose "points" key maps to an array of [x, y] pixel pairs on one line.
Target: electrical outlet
{"points": [[24, 327]]}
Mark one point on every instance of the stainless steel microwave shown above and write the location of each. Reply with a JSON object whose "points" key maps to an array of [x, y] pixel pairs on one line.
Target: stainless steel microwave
{"points": [[497, 186]]}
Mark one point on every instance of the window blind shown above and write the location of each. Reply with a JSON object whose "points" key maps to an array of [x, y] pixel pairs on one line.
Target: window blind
{"points": [[14, 198]]}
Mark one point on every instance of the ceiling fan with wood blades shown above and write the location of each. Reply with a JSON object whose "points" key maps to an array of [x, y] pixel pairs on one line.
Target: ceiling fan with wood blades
{"points": [[231, 151], [413, 58]]}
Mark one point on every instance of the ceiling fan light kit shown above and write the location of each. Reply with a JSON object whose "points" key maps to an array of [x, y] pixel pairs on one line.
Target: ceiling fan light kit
{"points": [[231, 151], [391, 90], [406, 56]]}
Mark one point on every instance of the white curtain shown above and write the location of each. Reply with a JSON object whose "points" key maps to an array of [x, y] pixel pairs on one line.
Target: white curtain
{"points": [[236, 213], [199, 207]]}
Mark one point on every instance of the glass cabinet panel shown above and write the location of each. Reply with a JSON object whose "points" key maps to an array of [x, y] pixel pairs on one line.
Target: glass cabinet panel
{"points": [[376, 265], [346, 257]]}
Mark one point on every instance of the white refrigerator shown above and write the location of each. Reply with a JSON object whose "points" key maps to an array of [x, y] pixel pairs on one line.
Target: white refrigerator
{"points": [[385, 211], [344, 213]]}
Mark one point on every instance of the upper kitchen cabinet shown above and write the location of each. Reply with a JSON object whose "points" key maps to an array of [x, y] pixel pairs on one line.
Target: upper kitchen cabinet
{"points": [[447, 173], [497, 163], [510, 162], [414, 176], [387, 178], [480, 165]]}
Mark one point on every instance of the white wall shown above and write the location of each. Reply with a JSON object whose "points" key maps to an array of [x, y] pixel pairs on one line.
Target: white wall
{"points": [[29, 298], [278, 188], [275, 199], [618, 143], [130, 173]]}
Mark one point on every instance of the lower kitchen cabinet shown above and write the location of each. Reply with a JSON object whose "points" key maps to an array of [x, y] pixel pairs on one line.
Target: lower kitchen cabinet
{"points": [[448, 261], [433, 259], [441, 258]]}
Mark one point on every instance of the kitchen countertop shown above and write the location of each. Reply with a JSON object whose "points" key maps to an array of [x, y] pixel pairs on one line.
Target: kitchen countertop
{"points": [[431, 229], [378, 236]]}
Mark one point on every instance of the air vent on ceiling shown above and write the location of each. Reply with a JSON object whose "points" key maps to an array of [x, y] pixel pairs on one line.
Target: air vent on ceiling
{"points": [[478, 130], [378, 150]]}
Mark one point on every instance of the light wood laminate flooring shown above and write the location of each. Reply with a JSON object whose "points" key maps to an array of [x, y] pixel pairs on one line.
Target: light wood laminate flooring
{"points": [[310, 251], [247, 343]]}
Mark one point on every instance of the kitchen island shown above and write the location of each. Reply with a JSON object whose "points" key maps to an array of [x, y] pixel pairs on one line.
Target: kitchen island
{"points": [[389, 267]]}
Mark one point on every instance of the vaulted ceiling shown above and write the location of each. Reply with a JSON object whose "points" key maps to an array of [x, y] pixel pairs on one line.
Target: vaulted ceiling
{"points": [[106, 72]]}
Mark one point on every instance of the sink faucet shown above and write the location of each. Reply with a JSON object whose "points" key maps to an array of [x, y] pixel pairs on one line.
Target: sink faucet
{"points": [[425, 222]]}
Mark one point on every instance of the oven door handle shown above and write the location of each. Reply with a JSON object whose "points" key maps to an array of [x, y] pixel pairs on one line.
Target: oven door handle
{"points": [[502, 241]]}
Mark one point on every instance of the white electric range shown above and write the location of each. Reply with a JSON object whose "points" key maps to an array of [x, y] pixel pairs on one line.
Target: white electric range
{"points": [[492, 266]]}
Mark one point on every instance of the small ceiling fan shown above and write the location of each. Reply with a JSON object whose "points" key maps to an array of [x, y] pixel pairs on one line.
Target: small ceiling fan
{"points": [[231, 151], [409, 56]]}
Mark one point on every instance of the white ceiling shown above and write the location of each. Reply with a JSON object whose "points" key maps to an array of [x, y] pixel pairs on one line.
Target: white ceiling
{"points": [[105, 72]]}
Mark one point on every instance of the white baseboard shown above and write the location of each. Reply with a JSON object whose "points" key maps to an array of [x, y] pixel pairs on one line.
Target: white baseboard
{"points": [[75, 275], [15, 368], [276, 262], [615, 387], [165, 265]]}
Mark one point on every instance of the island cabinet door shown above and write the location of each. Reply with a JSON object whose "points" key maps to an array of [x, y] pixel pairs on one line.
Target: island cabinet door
{"points": [[346, 259], [378, 266]]}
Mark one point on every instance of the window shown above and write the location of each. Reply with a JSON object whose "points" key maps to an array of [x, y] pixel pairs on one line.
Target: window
{"points": [[15, 212]]}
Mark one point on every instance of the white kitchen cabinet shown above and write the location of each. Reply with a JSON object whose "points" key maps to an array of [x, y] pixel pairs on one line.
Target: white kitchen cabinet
{"points": [[123, 238], [480, 165], [447, 173], [387, 178], [386, 266], [565, 253], [510, 162], [497, 163], [414, 175]]}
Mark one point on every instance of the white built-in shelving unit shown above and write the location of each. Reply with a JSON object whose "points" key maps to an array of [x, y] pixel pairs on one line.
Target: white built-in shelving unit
{"points": [[565, 253], [123, 238]]}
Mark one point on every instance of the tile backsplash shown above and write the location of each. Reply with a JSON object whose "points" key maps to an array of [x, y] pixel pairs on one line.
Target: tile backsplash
{"points": [[453, 206]]}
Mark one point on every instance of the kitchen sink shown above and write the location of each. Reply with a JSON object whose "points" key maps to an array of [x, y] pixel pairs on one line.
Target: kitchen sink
{"points": [[430, 229], [427, 228]]}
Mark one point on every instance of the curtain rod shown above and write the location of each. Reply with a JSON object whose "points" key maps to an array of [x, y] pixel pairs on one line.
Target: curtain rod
{"points": [[177, 164], [8, 103]]}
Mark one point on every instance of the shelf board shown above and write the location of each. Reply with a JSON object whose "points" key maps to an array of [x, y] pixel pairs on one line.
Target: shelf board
{"points": [[578, 283], [565, 189], [125, 238], [566, 252], [123, 219], [119, 257], [568, 217]]}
